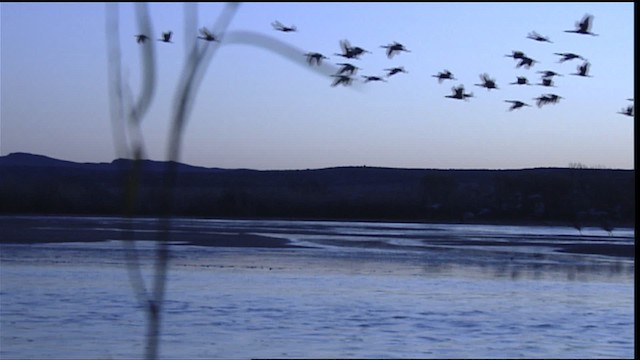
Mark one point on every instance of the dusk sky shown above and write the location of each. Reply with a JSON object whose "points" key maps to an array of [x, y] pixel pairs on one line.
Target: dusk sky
{"points": [[258, 109]]}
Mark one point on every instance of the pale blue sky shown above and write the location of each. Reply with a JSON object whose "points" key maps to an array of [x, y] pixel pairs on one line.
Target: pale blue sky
{"points": [[256, 109]]}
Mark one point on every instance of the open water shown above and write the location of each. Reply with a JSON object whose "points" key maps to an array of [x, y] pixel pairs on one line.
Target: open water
{"points": [[351, 290]]}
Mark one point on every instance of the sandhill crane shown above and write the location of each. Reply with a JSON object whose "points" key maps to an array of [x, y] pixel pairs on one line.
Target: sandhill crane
{"points": [[548, 73], [315, 56], [278, 26], [207, 35], [568, 56], [516, 54], [516, 104], [372, 78], [345, 80], [584, 26], [583, 70], [627, 111], [458, 93], [351, 52], [537, 37], [166, 37], [141, 38], [521, 80], [394, 48], [395, 70], [526, 62], [444, 75], [347, 68], [487, 82]]}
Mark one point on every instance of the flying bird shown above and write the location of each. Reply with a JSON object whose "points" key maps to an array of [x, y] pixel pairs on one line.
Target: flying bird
{"points": [[444, 75], [347, 68], [394, 48], [345, 80], [350, 52], [547, 81], [627, 111], [395, 70], [372, 78], [521, 80], [583, 26], [516, 54], [547, 99], [548, 73], [458, 93], [583, 70], [516, 104], [166, 37], [141, 38], [207, 35], [537, 37], [526, 62], [278, 26], [487, 82], [315, 56], [568, 56]]}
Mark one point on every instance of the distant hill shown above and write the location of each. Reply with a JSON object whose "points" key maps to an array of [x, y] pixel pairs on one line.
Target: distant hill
{"points": [[36, 184]]}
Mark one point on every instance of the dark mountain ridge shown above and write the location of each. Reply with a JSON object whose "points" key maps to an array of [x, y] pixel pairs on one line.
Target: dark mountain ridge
{"points": [[36, 184]]}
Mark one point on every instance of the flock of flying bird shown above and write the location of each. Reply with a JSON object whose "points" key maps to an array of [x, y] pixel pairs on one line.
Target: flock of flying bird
{"points": [[347, 71]]}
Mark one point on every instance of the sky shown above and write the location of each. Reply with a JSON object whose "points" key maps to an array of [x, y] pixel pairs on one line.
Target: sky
{"points": [[260, 105]]}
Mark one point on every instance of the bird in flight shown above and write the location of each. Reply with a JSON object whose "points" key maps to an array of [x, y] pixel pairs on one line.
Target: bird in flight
{"points": [[458, 93], [548, 73], [278, 26], [394, 48], [350, 52], [372, 78], [444, 75], [521, 80], [583, 26], [583, 70], [141, 38], [207, 35], [568, 56], [516, 54], [547, 81], [487, 82], [516, 104], [347, 68], [547, 99], [166, 37], [345, 80], [627, 111], [314, 56], [395, 70], [526, 62], [537, 37]]}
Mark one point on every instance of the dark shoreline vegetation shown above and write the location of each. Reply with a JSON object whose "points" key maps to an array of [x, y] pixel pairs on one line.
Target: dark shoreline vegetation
{"points": [[576, 197]]}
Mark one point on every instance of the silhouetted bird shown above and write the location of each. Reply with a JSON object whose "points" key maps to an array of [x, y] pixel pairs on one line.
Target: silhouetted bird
{"points": [[458, 93], [347, 68], [516, 104], [395, 70], [166, 37], [547, 99], [394, 48], [526, 62], [487, 82], [627, 111], [350, 52], [548, 73], [342, 79], [583, 70], [521, 80], [547, 81], [444, 75], [583, 26], [537, 37], [516, 54], [207, 35], [372, 78], [278, 26], [568, 56], [141, 38], [314, 56]]}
